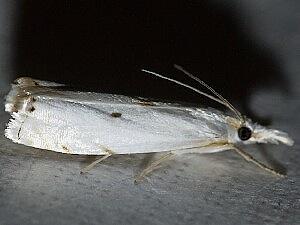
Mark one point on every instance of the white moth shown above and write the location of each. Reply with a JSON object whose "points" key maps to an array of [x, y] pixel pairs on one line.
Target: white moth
{"points": [[46, 116]]}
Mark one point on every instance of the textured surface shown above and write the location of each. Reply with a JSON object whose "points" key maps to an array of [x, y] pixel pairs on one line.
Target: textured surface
{"points": [[42, 187]]}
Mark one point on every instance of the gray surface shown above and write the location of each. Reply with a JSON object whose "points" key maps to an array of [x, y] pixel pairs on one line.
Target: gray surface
{"points": [[41, 187]]}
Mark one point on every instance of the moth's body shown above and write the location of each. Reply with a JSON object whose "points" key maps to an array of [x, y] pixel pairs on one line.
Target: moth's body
{"points": [[47, 117], [91, 123]]}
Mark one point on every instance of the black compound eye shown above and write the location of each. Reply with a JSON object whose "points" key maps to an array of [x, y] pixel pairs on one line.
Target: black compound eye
{"points": [[244, 133]]}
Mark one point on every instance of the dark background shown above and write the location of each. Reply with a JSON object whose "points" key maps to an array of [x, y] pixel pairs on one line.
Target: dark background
{"points": [[103, 45], [248, 50]]}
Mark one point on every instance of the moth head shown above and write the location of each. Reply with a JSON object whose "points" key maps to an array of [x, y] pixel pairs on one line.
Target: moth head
{"points": [[251, 133]]}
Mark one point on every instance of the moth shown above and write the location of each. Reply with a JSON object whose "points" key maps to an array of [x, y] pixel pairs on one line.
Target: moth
{"points": [[46, 116]]}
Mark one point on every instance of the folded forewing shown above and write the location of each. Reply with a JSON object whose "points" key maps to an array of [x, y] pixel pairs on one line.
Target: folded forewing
{"points": [[91, 123]]}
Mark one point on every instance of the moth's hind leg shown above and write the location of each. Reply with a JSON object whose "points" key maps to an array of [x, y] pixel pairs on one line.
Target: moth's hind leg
{"points": [[154, 165]]}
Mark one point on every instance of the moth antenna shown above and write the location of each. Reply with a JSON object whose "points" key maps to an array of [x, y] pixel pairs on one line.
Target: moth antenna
{"points": [[187, 86], [226, 102]]}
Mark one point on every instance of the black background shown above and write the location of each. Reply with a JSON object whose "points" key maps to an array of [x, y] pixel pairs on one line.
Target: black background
{"points": [[103, 45]]}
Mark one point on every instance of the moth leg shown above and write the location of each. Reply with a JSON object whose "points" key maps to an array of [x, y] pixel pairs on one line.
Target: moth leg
{"points": [[250, 158], [90, 166], [154, 165]]}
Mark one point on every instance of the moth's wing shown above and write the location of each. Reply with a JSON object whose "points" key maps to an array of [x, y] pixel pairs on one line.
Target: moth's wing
{"points": [[91, 123], [26, 87]]}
